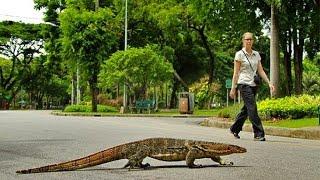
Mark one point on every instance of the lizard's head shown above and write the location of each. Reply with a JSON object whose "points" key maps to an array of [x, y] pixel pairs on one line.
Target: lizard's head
{"points": [[237, 149], [223, 149]]}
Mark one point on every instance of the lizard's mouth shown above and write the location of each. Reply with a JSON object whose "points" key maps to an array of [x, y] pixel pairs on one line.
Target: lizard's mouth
{"points": [[241, 149]]}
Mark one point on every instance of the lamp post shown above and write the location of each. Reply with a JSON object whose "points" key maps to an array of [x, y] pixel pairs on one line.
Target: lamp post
{"points": [[126, 26], [125, 48]]}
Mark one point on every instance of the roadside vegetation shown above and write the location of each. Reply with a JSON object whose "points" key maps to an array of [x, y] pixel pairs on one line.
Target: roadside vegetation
{"points": [[289, 112], [84, 59]]}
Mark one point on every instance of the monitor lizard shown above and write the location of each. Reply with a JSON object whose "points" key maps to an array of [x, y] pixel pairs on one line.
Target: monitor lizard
{"points": [[165, 149]]}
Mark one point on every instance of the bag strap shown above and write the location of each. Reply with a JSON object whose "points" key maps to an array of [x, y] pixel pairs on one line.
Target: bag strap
{"points": [[248, 60]]}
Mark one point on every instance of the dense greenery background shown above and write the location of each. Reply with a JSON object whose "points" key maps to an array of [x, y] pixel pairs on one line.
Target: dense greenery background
{"points": [[173, 46]]}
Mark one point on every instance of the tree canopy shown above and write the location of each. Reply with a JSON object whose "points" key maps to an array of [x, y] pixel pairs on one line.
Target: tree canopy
{"points": [[138, 68], [173, 44]]}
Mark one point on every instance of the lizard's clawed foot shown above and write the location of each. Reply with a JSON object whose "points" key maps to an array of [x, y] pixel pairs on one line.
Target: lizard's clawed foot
{"points": [[136, 166], [229, 163], [145, 165], [196, 166]]}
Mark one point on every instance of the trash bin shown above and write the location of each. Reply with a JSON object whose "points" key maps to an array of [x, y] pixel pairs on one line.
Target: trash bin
{"points": [[186, 103]]}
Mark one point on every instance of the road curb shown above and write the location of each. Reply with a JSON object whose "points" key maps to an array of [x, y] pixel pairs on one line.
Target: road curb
{"points": [[57, 113], [303, 133]]}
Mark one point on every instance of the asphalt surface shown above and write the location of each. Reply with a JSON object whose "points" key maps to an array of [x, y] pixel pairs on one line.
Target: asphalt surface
{"points": [[36, 138]]}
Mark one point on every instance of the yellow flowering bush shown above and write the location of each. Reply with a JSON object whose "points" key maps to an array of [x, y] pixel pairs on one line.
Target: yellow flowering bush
{"points": [[293, 107]]}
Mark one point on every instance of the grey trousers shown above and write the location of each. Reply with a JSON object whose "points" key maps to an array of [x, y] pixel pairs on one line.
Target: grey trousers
{"points": [[249, 108]]}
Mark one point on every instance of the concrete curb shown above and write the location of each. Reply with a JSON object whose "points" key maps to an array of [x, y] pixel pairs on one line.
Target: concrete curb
{"points": [[304, 133], [57, 113]]}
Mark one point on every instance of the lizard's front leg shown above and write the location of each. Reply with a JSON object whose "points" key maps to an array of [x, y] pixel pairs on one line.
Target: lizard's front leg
{"points": [[135, 160], [221, 161], [191, 157]]}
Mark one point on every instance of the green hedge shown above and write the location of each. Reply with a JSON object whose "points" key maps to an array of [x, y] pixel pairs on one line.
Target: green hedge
{"points": [[230, 112], [87, 108], [293, 107]]}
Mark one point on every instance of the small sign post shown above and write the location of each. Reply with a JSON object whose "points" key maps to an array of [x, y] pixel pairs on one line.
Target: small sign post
{"points": [[228, 86]]}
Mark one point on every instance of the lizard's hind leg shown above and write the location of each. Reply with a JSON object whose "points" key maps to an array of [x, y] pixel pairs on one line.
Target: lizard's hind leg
{"points": [[135, 161]]}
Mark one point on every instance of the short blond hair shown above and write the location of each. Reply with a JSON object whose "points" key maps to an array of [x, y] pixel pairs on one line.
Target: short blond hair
{"points": [[247, 33]]}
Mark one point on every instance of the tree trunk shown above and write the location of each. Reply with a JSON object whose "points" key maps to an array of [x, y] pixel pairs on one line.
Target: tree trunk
{"points": [[176, 75], [274, 51], [298, 50], [287, 51], [94, 77], [93, 90], [173, 99], [298, 69], [97, 4], [288, 74], [74, 89], [210, 54], [204, 40]]}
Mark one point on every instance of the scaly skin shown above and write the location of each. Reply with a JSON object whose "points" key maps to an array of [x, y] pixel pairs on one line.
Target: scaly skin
{"points": [[165, 149]]}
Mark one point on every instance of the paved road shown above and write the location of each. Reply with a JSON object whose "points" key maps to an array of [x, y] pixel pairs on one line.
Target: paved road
{"points": [[36, 138]]}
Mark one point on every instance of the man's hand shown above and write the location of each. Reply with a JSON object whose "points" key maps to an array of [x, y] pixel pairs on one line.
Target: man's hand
{"points": [[233, 93]]}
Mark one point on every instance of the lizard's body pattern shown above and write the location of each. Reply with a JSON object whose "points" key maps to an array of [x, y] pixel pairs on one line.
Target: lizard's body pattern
{"points": [[165, 149]]}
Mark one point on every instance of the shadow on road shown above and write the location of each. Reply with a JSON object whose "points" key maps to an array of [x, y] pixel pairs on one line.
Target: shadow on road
{"points": [[159, 167]]}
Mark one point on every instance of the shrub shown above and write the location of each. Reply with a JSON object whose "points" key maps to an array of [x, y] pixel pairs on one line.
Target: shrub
{"points": [[230, 112], [204, 95], [105, 100], [86, 108], [294, 107]]}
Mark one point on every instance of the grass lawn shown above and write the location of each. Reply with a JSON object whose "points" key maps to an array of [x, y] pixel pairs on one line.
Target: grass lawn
{"points": [[293, 123], [196, 112]]}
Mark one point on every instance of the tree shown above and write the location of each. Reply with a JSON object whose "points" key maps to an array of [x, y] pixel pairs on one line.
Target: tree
{"points": [[138, 68], [298, 32], [313, 40], [88, 38], [297, 25], [52, 31], [20, 43], [311, 77], [197, 31], [274, 49]]}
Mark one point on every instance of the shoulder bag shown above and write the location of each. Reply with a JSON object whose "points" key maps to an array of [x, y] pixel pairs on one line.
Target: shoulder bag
{"points": [[256, 77]]}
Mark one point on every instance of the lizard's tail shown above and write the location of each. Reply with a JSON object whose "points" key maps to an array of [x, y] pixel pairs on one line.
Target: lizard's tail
{"points": [[101, 157]]}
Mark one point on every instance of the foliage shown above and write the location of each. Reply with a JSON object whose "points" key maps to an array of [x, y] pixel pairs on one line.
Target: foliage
{"points": [[205, 96], [203, 92], [39, 82], [138, 68], [198, 37], [290, 107], [88, 37], [19, 43], [311, 78], [230, 111], [311, 83], [86, 108], [5, 65], [106, 100]]}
